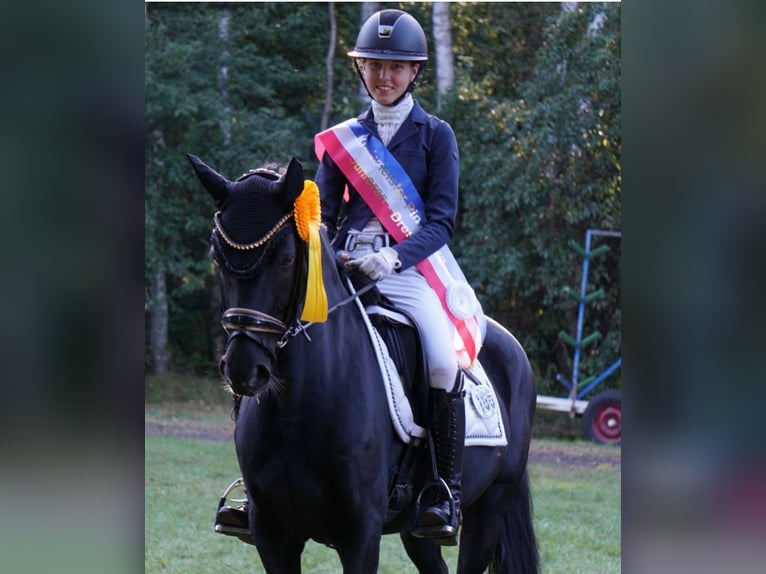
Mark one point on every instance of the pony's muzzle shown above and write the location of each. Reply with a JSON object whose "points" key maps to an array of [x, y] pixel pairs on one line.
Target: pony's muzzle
{"points": [[245, 376]]}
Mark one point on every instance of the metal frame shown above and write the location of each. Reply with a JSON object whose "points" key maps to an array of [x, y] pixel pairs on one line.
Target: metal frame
{"points": [[575, 404]]}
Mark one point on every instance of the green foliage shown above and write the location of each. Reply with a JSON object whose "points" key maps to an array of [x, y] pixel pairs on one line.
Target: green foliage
{"points": [[497, 43], [537, 172], [536, 108], [238, 100]]}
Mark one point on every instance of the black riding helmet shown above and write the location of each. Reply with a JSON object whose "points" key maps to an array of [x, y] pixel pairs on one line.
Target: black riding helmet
{"points": [[391, 35]]}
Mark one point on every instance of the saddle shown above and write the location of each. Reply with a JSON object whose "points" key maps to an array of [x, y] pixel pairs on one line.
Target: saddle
{"points": [[404, 370], [403, 342]]}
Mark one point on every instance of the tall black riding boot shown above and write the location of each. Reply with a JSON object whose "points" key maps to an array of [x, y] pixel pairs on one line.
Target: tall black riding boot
{"points": [[441, 519]]}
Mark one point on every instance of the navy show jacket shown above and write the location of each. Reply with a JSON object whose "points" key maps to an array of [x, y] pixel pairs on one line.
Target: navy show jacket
{"points": [[426, 148]]}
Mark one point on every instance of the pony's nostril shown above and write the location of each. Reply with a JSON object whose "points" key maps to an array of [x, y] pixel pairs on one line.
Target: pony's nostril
{"points": [[222, 368], [264, 375]]}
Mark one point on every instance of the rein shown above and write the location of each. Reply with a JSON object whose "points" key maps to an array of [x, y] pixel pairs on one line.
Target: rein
{"points": [[355, 295]]}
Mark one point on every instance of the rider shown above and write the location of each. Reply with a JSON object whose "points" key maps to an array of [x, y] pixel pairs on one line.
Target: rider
{"points": [[389, 56]]}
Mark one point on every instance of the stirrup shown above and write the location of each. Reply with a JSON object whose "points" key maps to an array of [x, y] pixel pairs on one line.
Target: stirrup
{"points": [[437, 531], [233, 520]]}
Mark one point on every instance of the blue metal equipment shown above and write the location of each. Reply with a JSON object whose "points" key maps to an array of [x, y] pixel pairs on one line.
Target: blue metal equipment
{"points": [[602, 415]]}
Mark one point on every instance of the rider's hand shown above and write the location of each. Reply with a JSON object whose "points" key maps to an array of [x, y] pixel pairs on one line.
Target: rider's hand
{"points": [[378, 265]]}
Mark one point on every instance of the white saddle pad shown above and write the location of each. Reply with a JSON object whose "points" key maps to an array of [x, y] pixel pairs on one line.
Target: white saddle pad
{"points": [[483, 421]]}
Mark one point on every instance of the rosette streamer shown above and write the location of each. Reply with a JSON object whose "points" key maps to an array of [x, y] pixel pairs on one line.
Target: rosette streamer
{"points": [[307, 220]]}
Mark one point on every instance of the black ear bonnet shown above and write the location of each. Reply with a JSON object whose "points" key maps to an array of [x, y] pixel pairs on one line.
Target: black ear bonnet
{"points": [[250, 211]]}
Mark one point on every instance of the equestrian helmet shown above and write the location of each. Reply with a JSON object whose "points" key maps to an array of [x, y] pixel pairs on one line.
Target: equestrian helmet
{"points": [[391, 35]]}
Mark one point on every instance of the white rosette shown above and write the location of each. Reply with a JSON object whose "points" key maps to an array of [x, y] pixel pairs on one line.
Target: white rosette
{"points": [[461, 300]]}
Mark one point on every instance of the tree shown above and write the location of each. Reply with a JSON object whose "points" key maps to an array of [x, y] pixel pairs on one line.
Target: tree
{"points": [[538, 171], [445, 65], [172, 108], [535, 106], [330, 67], [234, 84], [366, 9]]}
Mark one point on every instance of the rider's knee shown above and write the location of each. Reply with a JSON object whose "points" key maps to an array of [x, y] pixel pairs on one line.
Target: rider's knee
{"points": [[443, 377]]}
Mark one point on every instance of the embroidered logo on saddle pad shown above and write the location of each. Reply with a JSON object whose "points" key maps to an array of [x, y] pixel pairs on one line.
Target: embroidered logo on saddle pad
{"points": [[484, 402], [483, 421]]}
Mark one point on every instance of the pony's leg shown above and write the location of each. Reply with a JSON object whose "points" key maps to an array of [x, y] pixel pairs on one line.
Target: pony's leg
{"points": [[359, 551], [280, 554], [498, 529], [481, 525], [425, 555]]}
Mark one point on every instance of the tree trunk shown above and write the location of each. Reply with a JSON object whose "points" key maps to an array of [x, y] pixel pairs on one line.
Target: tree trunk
{"points": [[158, 327], [445, 63], [329, 65], [367, 10], [223, 75], [215, 338]]}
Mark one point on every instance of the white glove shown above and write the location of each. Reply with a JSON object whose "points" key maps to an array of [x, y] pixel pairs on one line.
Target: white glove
{"points": [[378, 265]]}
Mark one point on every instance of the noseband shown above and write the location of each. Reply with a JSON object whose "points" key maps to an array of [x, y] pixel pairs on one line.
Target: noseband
{"points": [[242, 319]]}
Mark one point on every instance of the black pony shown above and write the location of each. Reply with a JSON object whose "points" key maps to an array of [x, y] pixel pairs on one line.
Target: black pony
{"points": [[314, 439]]}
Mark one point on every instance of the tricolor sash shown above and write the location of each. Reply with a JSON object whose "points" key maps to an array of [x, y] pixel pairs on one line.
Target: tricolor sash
{"points": [[384, 185]]}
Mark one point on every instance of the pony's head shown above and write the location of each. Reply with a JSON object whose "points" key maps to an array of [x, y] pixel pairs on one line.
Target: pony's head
{"points": [[263, 241]]}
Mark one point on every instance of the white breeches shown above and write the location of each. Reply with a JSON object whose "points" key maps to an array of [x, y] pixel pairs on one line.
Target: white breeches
{"points": [[410, 291]]}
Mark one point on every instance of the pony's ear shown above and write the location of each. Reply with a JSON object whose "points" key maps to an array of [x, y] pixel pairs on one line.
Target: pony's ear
{"points": [[293, 185], [215, 184]]}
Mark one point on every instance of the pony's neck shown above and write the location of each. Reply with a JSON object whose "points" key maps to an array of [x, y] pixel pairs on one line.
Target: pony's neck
{"points": [[324, 361], [334, 288]]}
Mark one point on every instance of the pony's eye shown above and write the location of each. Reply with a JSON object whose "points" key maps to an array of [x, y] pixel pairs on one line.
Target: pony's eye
{"points": [[288, 259]]}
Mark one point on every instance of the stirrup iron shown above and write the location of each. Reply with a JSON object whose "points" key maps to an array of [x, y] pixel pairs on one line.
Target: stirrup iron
{"points": [[436, 530], [228, 517]]}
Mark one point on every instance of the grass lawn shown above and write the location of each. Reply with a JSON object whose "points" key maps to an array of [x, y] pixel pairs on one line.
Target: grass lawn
{"points": [[576, 491]]}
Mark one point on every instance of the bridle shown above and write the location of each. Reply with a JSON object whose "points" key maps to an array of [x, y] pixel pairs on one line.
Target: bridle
{"points": [[243, 321]]}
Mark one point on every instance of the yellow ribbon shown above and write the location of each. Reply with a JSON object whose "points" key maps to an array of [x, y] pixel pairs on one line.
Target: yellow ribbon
{"points": [[307, 219]]}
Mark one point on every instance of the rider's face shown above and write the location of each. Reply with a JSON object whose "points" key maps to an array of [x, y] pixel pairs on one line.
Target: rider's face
{"points": [[387, 80]]}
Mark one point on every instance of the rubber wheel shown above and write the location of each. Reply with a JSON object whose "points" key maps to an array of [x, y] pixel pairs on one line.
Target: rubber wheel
{"points": [[602, 419]]}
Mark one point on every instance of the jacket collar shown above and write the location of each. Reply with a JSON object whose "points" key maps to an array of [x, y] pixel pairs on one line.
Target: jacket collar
{"points": [[409, 128]]}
